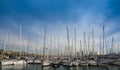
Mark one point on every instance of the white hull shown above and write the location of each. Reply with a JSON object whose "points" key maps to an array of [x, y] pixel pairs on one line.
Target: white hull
{"points": [[55, 62], [67, 63], [45, 63], [29, 61], [19, 62], [92, 63], [116, 63], [102, 63], [75, 63], [84, 63], [37, 61], [7, 62]]}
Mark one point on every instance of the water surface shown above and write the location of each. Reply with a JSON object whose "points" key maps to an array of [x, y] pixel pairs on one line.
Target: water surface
{"points": [[39, 67]]}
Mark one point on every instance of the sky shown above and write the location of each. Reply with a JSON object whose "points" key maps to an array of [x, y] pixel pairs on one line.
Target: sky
{"points": [[55, 15]]}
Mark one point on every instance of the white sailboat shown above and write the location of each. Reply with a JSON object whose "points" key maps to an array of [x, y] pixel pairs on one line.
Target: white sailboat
{"points": [[19, 61], [76, 61], [55, 61], [84, 62], [92, 62], [6, 62], [68, 62], [102, 62], [45, 61], [3, 61]]}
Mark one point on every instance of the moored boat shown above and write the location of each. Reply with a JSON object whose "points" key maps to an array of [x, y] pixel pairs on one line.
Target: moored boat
{"points": [[7, 62], [19, 62], [45, 63]]}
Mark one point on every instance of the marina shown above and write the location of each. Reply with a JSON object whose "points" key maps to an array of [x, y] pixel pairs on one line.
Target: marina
{"points": [[59, 35]]}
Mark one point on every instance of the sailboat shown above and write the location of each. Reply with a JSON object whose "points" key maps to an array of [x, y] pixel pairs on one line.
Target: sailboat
{"points": [[36, 59], [92, 62], [84, 62], [29, 60], [45, 61], [19, 61], [6, 62], [117, 62], [102, 61], [68, 62], [3, 61], [56, 61], [76, 61]]}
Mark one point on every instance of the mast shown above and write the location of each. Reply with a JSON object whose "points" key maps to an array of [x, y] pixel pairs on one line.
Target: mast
{"points": [[106, 44], [3, 53], [88, 45], [44, 43], [80, 48], [93, 42], [68, 41], [112, 45], [71, 47], [100, 45], [103, 40], [28, 44], [118, 49], [65, 52], [36, 51], [58, 46], [20, 38], [75, 44], [108, 47], [51, 47], [84, 44]]}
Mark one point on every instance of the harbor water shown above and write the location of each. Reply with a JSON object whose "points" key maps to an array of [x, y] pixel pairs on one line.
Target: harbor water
{"points": [[39, 67]]}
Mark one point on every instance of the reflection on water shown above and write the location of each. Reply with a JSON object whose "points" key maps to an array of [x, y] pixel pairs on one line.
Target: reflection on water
{"points": [[10, 67], [46, 68], [19, 67], [39, 67]]}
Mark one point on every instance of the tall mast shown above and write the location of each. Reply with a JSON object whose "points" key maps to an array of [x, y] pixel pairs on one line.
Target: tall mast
{"points": [[84, 44], [3, 54], [112, 45], [75, 44], [80, 48], [103, 40], [51, 47], [65, 52], [44, 43], [28, 44], [100, 45], [71, 47], [20, 39], [106, 44], [93, 42], [88, 45], [68, 41], [118, 49], [58, 46]]}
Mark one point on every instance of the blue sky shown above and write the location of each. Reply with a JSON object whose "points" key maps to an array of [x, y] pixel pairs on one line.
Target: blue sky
{"points": [[56, 15]]}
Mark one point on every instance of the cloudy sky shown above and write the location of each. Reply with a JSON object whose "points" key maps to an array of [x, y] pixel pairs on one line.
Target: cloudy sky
{"points": [[55, 16]]}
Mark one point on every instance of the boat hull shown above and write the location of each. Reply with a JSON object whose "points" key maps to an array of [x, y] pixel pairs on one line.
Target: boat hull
{"points": [[7, 62], [19, 62]]}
